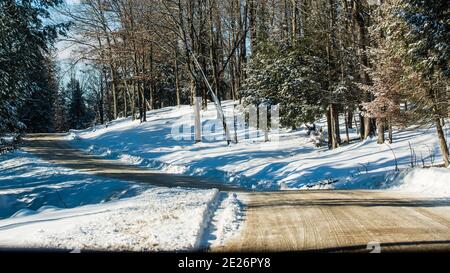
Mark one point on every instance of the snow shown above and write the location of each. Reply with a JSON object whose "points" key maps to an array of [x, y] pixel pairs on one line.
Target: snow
{"points": [[28, 183], [432, 181], [226, 222], [158, 219], [293, 162], [47, 206]]}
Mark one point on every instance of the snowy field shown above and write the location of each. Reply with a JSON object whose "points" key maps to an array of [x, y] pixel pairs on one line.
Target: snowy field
{"points": [[47, 206], [292, 162]]}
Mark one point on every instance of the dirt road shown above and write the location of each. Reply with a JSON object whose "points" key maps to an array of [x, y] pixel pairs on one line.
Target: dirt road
{"points": [[333, 221], [297, 220], [54, 149]]}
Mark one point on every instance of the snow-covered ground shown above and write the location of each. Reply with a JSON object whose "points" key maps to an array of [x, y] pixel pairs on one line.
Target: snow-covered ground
{"points": [[432, 181], [43, 205], [28, 184], [47, 206], [289, 161]]}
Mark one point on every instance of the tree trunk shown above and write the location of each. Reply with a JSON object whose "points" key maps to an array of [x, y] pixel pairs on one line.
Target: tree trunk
{"points": [[251, 23], [144, 104], [337, 129], [233, 79], [367, 127], [329, 130], [193, 88], [442, 142], [235, 125], [294, 13], [143, 84], [198, 122], [142, 107], [334, 135], [177, 80], [213, 52], [138, 98], [102, 99], [380, 130], [347, 122], [350, 119], [391, 137], [362, 127], [114, 90], [152, 80], [125, 106]]}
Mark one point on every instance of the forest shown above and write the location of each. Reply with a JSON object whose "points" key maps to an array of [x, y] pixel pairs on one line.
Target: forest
{"points": [[379, 64]]}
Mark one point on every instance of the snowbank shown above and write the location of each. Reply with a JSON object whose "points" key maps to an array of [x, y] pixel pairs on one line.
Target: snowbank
{"points": [[54, 207], [158, 219], [226, 221], [433, 181], [293, 162]]}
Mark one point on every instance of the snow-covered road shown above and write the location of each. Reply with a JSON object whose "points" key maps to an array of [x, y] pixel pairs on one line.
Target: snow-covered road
{"points": [[55, 149], [55, 197]]}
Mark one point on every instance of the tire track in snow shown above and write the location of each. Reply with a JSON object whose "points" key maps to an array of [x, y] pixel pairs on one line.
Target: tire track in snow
{"points": [[222, 221]]}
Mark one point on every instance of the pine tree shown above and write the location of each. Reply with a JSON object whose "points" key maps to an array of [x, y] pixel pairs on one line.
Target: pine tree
{"points": [[37, 112], [413, 63], [428, 54], [286, 76], [24, 41], [427, 35], [77, 109], [61, 108], [388, 86]]}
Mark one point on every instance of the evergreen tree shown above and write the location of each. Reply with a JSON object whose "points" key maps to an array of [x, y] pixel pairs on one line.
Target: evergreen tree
{"points": [[61, 108], [413, 65], [428, 53], [24, 41], [389, 86], [37, 112], [428, 35], [77, 110], [290, 79]]}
